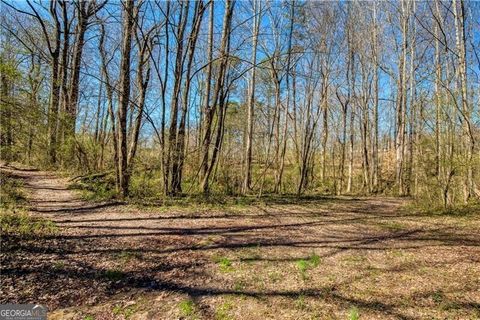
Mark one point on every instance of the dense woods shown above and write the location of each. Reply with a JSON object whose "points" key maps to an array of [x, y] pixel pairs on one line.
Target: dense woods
{"points": [[247, 97]]}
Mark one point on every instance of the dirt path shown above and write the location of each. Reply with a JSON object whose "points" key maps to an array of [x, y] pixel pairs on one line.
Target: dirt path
{"points": [[315, 259], [47, 193]]}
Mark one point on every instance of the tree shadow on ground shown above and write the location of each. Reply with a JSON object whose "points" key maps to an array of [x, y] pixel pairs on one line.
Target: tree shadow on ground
{"points": [[32, 263]]}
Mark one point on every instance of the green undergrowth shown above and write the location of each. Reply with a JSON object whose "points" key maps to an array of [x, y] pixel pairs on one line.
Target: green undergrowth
{"points": [[460, 210], [21, 224], [11, 194], [95, 187], [306, 264], [147, 191], [14, 218]]}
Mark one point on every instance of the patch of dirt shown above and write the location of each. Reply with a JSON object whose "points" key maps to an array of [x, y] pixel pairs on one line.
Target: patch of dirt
{"points": [[117, 261]]}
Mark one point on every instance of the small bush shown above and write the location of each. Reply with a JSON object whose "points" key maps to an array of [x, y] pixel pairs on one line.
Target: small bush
{"points": [[314, 260], [96, 187]]}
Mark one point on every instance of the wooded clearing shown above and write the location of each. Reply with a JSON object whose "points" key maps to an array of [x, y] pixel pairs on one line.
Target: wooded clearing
{"points": [[313, 258], [254, 159]]}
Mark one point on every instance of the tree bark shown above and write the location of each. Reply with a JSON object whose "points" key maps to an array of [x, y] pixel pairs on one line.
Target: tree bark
{"points": [[251, 101], [124, 93]]}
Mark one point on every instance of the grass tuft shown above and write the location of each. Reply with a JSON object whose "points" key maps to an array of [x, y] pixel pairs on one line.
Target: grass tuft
{"points": [[353, 314], [127, 311], [187, 308], [126, 256], [305, 264], [224, 264], [222, 312], [114, 274], [300, 302]]}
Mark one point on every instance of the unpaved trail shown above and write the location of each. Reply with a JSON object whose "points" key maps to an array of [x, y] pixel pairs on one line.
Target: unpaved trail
{"points": [[118, 261], [46, 192], [49, 195]]}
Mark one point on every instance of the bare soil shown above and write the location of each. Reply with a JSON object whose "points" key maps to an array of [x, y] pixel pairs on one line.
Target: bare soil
{"points": [[317, 258]]}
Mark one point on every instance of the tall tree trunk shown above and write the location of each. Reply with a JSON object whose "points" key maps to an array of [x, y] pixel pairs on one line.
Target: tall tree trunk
{"points": [[375, 160], [352, 122], [172, 155], [85, 10], [412, 107], [251, 100], [163, 87], [192, 41], [124, 93], [402, 101], [53, 107], [143, 79], [209, 108], [109, 92], [219, 86], [287, 105], [468, 138]]}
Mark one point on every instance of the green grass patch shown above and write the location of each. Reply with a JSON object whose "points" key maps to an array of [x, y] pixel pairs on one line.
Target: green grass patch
{"points": [[300, 302], [458, 210], [59, 265], [21, 224], [239, 285], [114, 274], [187, 308], [353, 314], [391, 225], [223, 311], [126, 256], [224, 263], [438, 297], [304, 265], [11, 194], [126, 311]]}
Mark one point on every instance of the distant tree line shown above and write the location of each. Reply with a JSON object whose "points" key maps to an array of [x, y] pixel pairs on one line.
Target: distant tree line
{"points": [[247, 97]]}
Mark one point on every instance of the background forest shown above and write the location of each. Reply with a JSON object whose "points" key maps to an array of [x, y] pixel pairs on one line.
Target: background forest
{"points": [[154, 99]]}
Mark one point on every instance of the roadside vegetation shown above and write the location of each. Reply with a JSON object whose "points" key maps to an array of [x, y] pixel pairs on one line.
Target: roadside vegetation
{"points": [[15, 220]]}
